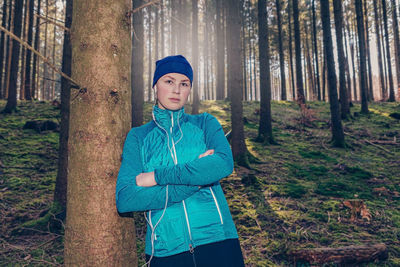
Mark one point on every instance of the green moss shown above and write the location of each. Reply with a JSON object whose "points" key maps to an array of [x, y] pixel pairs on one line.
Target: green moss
{"points": [[294, 189], [309, 154]]}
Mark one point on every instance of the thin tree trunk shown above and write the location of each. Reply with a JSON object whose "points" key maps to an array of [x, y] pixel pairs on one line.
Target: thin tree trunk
{"points": [[60, 191], [299, 75], [281, 53], [235, 83], [9, 44], [2, 42], [291, 51], [162, 23], [309, 69], [150, 60], [137, 66], [337, 129], [53, 77], [379, 48], [28, 87], [35, 57], [316, 51], [370, 83], [195, 58], [12, 92], [353, 63], [220, 51], [265, 125], [45, 88], [23, 50], [396, 44], [344, 100], [363, 67], [389, 61], [100, 118]]}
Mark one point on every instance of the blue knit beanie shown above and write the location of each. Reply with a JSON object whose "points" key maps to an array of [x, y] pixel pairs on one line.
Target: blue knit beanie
{"points": [[172, 64]]}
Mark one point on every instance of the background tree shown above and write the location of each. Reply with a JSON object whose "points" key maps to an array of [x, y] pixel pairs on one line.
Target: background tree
{"points": [[12, 91], [281, 53], [100, 118], [235, 83], [137, 80], [344, 101], [195, 57], [389, 61], [2, 42], [297, 44], [379, 48]]}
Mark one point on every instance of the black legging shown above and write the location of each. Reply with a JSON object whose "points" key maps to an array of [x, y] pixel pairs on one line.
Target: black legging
{"points": [[226, 253]]}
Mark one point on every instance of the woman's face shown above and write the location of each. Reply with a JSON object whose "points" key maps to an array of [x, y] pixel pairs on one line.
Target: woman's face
{"points": [[172, 91]]}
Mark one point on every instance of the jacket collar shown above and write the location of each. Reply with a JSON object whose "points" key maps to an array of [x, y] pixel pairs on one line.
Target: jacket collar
{"points": [[168, 118]]}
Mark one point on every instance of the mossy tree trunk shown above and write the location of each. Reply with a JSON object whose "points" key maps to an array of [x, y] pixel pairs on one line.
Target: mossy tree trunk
{"points": [[235, 82], [337, 129], [100, 117]]}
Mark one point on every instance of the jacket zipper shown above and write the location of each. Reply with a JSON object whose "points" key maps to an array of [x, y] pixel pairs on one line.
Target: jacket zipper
{"points": [[191, 248], [216, 204]]}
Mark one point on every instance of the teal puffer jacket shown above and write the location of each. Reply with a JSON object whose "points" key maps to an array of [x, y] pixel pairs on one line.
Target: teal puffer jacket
{"points": [[196, 209]]}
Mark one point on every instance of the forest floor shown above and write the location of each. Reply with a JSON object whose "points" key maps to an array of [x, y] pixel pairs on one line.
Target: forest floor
{"points": [[301, 194]]}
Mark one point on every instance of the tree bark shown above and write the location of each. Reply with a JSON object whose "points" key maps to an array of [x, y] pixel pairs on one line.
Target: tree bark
{"points": [[379, 48], [281, 53], [195, 58], [12, 91], [2, 41], [149, 57], [317, 79], [220, 51], [137, 66], [291, 50], [265, 125], [344, 100], [337, 129], [28, 87], [361, 45], [99, 120], [389, 61], [60, 191], [370, 91], [35, 57], [235, 82], [396, 44], [299, 75]]}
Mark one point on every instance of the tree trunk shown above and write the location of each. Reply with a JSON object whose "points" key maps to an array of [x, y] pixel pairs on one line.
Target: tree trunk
{"points": [[299, 75], [396, 44], [353, 63], [379, 48], [99, 120], [361, 46], [28, 94], [53, 78], [281, 53], [344, 100], [195, 58], [9, 43], [337, 130], [265, 126], [309, 68], [162, 22], [137, 85], [370, 92], [389, 61], [291, 51], [60, 191], [45, 89], [149, 57], [2, 41], [12, 92], [23, 50], [220, 51], [317, 80], [35, 57], [235, 82]]}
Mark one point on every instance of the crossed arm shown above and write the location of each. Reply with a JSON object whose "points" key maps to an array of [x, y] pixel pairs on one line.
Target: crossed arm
{"points": [[138, 191]]}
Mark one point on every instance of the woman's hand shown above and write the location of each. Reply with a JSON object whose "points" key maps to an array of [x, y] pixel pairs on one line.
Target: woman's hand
{"points": [[207, 153], [146, 179]]}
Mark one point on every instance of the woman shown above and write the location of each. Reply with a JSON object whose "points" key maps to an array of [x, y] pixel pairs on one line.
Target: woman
{"points": [[171, 168]]}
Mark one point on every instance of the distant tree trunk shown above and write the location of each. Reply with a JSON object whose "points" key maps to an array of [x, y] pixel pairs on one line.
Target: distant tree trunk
{"points": [[291, 50], [245, 80], [317, 80], [363, 67], [45, 88], [95, 235], [2, 41], [389, 61], [235, 83], [53, 77], [9, 43], [265, 125], [28, 94], [379, 48], [23, 50], [324, 77], [12, 92], [162, 22], [35, 57], [353, 63], [220, 51], [195, 57], [137, 66], [150, 62], [396, 44], [299, 75], [347, 65], [344, 100], [281, 53], [337, 130], [309, 67], [370, 83], [60, 191]]}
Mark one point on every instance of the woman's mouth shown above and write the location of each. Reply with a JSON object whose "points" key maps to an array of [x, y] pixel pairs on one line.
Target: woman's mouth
{"points": [[174, 99]]}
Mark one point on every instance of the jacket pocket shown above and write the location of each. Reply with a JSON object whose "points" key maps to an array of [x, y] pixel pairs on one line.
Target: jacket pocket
{"points": [[169, 235]]}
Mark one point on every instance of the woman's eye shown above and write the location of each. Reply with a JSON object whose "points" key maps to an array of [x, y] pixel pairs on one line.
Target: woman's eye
{"points": [[168, 81], [185, 84]]}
